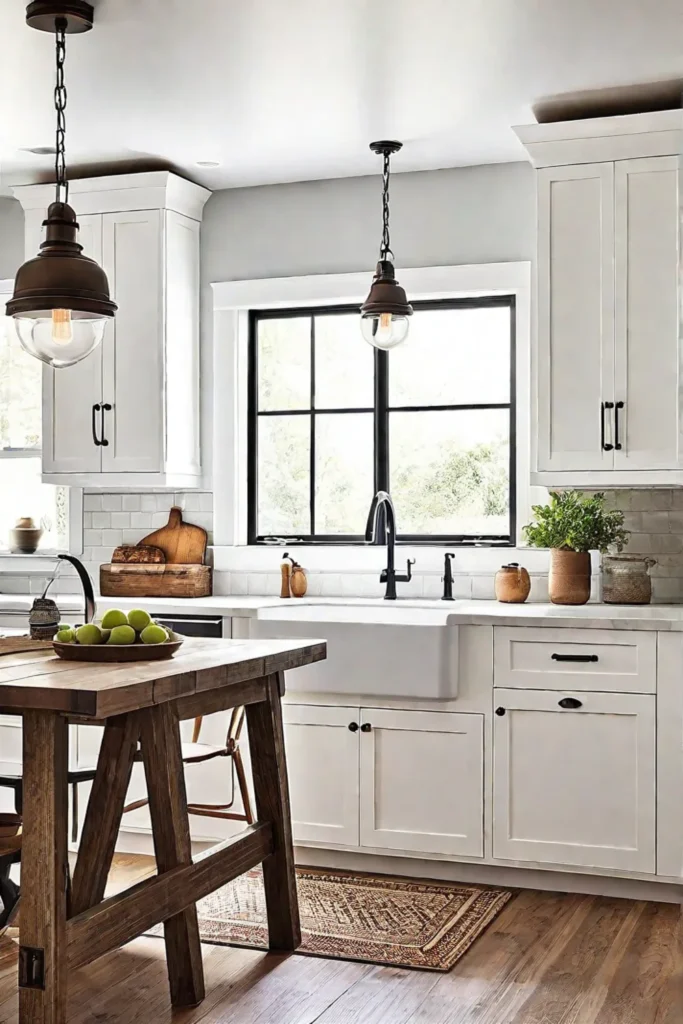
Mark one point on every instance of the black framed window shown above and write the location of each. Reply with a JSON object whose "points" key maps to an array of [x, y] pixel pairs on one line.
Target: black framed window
{"points": [[332, 420]]}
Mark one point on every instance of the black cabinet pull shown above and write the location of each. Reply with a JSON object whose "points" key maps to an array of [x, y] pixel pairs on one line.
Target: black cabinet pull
{"points": [[366, 727], [353, 726], [570, 703], [617, 442], [606, 446], [95, 438], [500, 711], [105, 408], [574, 657]]}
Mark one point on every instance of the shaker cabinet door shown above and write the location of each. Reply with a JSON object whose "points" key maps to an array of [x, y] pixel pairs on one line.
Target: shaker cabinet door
{"points": [[575, 356], [322, 764], [422, 782], [70, 422], [647, 313], [574, 779], [133, 378]]}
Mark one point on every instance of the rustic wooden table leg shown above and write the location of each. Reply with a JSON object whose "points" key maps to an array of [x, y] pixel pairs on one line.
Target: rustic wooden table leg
{"points": [[42, 928], [266, 743], [105, 807], [161, 754]]}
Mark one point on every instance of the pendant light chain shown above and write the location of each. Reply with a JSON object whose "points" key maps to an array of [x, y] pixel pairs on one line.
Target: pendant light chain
{"points": [[62, 185], [385, 248]]}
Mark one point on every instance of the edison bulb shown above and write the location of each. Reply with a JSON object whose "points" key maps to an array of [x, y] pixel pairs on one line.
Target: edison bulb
{"points": [[58, 337], [384, 330], [62, 334]]}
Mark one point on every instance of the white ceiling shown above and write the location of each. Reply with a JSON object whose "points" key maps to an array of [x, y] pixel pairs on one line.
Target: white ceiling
{"points": [[286, 90]]}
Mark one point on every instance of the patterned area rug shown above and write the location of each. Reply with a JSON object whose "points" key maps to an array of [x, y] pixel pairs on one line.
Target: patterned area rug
{"points": [[372, 918]]}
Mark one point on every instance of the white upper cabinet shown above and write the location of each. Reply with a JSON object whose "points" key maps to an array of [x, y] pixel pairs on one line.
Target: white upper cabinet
{"points": [[128, 414], [606, 353]]}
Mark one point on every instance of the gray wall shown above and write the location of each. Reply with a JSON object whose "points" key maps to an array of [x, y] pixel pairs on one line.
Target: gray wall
{"points": [[11, 237], [465, 215]]}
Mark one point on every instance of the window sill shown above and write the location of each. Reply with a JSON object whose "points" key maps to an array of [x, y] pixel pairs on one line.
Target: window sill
{"points": [[40, 563]]}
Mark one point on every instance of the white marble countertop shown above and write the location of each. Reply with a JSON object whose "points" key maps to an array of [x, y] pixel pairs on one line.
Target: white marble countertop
{"points": [[589, 616]]}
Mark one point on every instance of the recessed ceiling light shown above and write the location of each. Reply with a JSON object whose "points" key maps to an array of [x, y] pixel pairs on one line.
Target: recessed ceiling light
{"points": [[208, 163], [40, 150]]}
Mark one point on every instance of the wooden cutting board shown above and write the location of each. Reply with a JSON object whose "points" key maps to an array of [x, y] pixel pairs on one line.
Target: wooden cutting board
{"points": [[182, 543]]}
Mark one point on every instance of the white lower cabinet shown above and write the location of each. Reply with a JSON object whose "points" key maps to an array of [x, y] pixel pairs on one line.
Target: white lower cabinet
{"points": [[422, 782], [575, 784], [393, 780], [322, 764]]}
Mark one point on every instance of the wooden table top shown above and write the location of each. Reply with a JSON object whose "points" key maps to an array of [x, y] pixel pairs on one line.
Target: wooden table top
{"points": [[43, 681]]}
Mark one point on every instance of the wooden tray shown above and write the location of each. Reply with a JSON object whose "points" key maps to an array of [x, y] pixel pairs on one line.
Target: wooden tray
{"points": [[107, 653], [122, 579]]}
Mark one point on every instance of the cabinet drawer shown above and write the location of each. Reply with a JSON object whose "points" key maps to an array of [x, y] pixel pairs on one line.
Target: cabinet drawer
{"points": [[620, 661]]}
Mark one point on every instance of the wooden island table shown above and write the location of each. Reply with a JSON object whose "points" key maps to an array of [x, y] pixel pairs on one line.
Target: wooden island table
{"points": [[66, 923]]}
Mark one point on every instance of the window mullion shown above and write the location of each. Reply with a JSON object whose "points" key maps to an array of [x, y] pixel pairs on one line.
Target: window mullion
{"points": [[381, 420], [312, 444]]}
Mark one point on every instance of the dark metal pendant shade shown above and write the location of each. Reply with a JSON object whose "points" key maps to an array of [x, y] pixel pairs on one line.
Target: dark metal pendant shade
{"points": [[386, 294], [61, 277]]}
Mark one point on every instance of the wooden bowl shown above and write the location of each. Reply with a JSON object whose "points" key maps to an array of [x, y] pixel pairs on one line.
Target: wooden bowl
{"points": [[104, 653]]}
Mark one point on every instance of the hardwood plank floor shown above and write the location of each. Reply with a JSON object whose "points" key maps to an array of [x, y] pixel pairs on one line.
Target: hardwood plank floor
{"points": [[547, 959]]}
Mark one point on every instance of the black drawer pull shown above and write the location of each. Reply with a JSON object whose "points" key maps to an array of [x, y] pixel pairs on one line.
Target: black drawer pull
{"points": [[570, 703], [353, 726], [95, 438], [366, 727], [605, 445], [574, 657], [500, 712], [617, 442], [105, 408]]}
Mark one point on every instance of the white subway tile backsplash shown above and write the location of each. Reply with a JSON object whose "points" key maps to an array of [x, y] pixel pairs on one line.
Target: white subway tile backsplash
{"points": [[131, 503], [483, 588], [148, 502], [112, 502], [92, 502], [112, 538], [120, 520], [92, 538], [159, 519], [100, 520], [239, 583], [206, 502], [141, 519], [655, 522]]}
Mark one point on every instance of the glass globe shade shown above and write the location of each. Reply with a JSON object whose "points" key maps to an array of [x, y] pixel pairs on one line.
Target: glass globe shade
{"points": [[384, 330], [58, 337]]}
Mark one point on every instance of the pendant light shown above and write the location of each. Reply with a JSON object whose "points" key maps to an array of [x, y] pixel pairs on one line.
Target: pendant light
{"points": [[384, 314], [61, 298]]}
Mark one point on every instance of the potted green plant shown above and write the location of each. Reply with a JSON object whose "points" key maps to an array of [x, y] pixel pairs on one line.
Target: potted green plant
{"points": [[572, 525]]}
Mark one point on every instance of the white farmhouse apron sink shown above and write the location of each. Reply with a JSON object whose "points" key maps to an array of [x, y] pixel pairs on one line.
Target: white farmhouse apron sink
{"points": [[375, 649]]}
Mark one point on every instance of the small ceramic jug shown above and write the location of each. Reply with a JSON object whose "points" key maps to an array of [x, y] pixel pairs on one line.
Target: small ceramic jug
{"points": [[512, 584], [298, 584]]}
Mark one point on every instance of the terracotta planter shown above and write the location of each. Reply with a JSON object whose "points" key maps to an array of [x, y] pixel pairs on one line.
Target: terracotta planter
{"points": [[569, 581]]}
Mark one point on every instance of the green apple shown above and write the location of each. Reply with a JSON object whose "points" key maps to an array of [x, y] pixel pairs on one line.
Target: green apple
{"points": [[139, 619], [106, 633], [154, 635], [114, 617], [123, 634], [66, 635], [89, 634]]}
